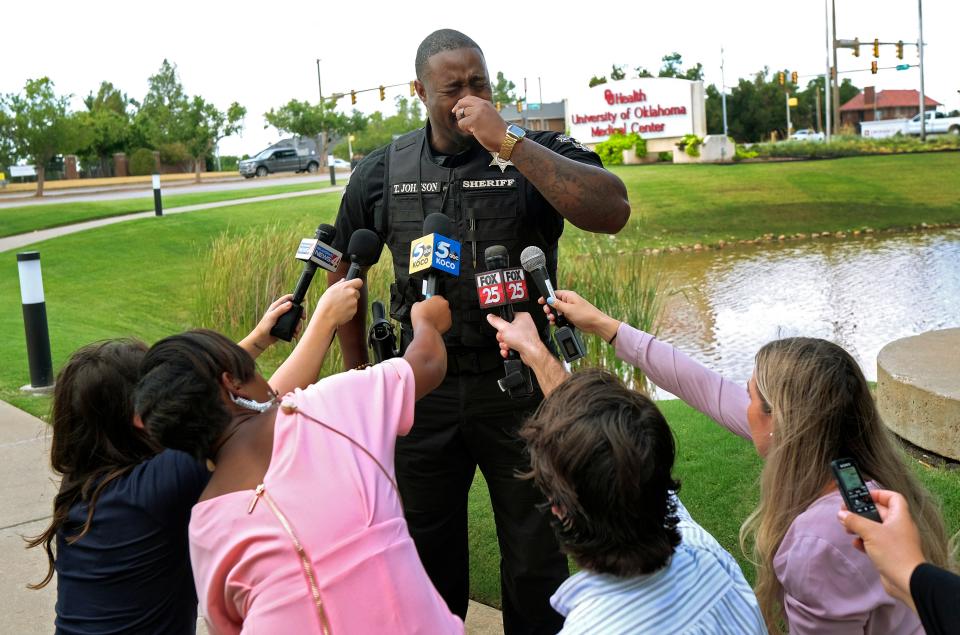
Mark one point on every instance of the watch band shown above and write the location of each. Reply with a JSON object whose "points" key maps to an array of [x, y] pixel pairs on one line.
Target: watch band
{"points": [[514, 135]]}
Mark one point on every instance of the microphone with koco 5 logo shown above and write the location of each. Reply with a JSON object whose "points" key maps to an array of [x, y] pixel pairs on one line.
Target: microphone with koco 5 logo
{"points": [[315, 252], [435, 253]]}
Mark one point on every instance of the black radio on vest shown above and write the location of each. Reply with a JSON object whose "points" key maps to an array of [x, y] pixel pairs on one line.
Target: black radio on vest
{"points": [[287, 323], [516, 381]]}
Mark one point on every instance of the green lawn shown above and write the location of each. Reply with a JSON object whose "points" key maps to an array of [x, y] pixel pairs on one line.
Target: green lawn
{"points": [[25, 218], [140, 278]]}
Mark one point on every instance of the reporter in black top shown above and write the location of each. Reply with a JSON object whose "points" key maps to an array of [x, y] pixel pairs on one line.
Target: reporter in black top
{"points": [[894, 547]]}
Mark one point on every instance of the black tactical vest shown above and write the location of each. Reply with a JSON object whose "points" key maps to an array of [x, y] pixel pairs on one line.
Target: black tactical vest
{"points": [[486, 206]]}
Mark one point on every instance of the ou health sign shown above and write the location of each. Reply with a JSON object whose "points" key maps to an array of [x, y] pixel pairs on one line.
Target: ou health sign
{"points": [[654, 108]]}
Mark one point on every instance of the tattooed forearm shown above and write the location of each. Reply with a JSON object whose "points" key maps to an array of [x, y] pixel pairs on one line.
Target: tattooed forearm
{"points": [[589, 197]]}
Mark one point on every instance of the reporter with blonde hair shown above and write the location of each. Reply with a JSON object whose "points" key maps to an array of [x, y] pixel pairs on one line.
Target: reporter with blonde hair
{"points": [[806, 404]]}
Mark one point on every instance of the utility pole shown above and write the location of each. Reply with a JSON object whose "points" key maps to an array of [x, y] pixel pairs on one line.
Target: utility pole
{"points": [[319, 85], [786, 95], [827, 76], [923, 116], [819, 120], [540, 88], [835, 104], [723, 93]]}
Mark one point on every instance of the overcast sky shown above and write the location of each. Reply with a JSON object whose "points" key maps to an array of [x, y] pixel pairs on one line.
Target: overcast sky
{"points": [[263, 54]]}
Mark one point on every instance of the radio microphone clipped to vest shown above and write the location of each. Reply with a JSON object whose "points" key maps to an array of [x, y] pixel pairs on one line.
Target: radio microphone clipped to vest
{"points": [[315, 252], [500, 287], [535, 263], [364, 251], [435, 252], [382, 337]]}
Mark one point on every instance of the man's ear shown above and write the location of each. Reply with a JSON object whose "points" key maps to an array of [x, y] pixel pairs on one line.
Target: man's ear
{"points": [[421, 91]]}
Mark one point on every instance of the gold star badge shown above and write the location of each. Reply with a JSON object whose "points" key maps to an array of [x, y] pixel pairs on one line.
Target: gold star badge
{"points": [[500, 163]]}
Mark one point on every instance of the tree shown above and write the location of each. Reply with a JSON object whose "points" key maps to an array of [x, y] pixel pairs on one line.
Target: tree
{"points": [[380, 130], [41, 126], [617, 73], [106, 125], [160, 118], [503, 90], [672, 68], [205, 126], [8, 152], [642, 72], [108, 97], [596, 81], [319, 121]]}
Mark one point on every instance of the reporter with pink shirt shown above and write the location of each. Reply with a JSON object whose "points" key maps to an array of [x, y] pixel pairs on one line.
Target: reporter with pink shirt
{"points": [[806, 404], [301, 528]]}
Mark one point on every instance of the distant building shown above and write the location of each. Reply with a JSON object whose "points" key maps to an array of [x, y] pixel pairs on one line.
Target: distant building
{"points": [[550, 116], [870, 105]]}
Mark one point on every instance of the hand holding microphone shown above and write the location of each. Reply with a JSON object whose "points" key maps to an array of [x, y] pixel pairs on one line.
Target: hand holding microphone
{"points": [[499, 286], [339, 302], [535, 262], [315, 252], [581, 314]]}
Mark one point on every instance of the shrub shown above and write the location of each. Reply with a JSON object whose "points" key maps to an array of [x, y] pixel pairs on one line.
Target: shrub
{"points": [[173, 153], [665, 157], [741, 153], [690, 144], [142, 162], [611, 150], [848, 146]]}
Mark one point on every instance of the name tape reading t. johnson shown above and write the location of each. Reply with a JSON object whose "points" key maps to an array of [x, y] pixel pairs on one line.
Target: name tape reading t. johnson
{"points": [[426, 187], [501, 286]]}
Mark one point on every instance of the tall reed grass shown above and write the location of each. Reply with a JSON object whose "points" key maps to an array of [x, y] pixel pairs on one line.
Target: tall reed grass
{"points": [[248, 270]]}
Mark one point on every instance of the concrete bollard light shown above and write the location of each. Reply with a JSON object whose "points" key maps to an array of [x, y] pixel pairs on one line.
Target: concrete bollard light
{"points": [[157, 203], [35, 322]]}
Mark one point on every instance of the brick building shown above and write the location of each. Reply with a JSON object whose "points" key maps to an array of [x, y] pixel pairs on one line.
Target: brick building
{"points": [[870, 105]]}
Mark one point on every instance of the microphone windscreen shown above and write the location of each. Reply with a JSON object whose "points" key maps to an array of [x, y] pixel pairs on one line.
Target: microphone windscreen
{"points": [[364, 247], [438, 223], [533, 258], [326, 233], [379, 313], [496, 257]]}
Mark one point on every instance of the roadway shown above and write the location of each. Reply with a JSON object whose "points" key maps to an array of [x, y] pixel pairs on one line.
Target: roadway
{"points": [[16, 199]]}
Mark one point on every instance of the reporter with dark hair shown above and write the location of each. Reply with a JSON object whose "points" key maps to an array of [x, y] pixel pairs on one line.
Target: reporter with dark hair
{"points": [[301, 528], [602, 455], [118, 537], [895, 548]]}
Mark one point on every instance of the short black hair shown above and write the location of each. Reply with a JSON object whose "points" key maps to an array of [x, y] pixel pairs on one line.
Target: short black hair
{"points": [[603, 455], [178, 395], [439, 41]]}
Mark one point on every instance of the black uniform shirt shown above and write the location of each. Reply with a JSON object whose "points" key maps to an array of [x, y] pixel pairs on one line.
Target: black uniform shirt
{"points": [[365, 188]]}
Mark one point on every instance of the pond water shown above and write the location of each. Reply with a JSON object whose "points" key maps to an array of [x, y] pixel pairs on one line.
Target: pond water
{"points": [[861, 293]]}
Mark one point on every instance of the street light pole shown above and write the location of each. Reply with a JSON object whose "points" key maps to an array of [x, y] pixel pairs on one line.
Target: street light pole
{"points": [[319, 85], [827, 79], [923, 116], [723, 94], [835, 103]]}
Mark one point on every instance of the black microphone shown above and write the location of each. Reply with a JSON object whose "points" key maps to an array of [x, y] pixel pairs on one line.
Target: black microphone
{"points": [[535, 263], [382, 337], [516, 381], [436, 252], [316, 252], [364, 251]]}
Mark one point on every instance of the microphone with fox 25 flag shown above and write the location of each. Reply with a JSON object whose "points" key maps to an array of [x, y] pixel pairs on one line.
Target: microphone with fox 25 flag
{"points": [[315, 252], [364, 251], [535, 262], [435, 252], [499, 287]]}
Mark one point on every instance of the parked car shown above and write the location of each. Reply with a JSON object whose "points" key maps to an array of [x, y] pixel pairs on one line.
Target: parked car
{"points": [[806, 134], [283, 159], [937, 123], [340, 164]]}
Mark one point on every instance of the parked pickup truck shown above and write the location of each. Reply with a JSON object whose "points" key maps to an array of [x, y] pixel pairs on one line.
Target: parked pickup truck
{"points": [[937, 123], [282, 159]]}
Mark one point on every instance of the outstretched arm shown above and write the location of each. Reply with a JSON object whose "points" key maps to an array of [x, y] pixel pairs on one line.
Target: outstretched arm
{"points": [[522, 336], [353, 334], [259, 338], [427, 354], [588, 196]]}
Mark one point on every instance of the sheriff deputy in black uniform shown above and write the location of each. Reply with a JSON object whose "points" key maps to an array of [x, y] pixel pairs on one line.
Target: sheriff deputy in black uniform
{"points": [[500, 185]]}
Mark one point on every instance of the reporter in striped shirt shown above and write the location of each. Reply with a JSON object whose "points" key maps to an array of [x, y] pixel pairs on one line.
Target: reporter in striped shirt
{"points": [[602, 454]]}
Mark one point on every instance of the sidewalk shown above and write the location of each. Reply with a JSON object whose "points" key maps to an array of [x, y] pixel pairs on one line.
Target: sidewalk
{"points": [[25, 508], [20, 240]]}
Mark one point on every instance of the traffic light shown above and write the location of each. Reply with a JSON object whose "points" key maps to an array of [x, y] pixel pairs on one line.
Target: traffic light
{"points": [[499, 106], [900, 50], [876, 47], [413, 90], [782, 78], [383, 93], [794, 77], [856, 47], [833, 73], [873, 67], [353, 97], [519, 105]]}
